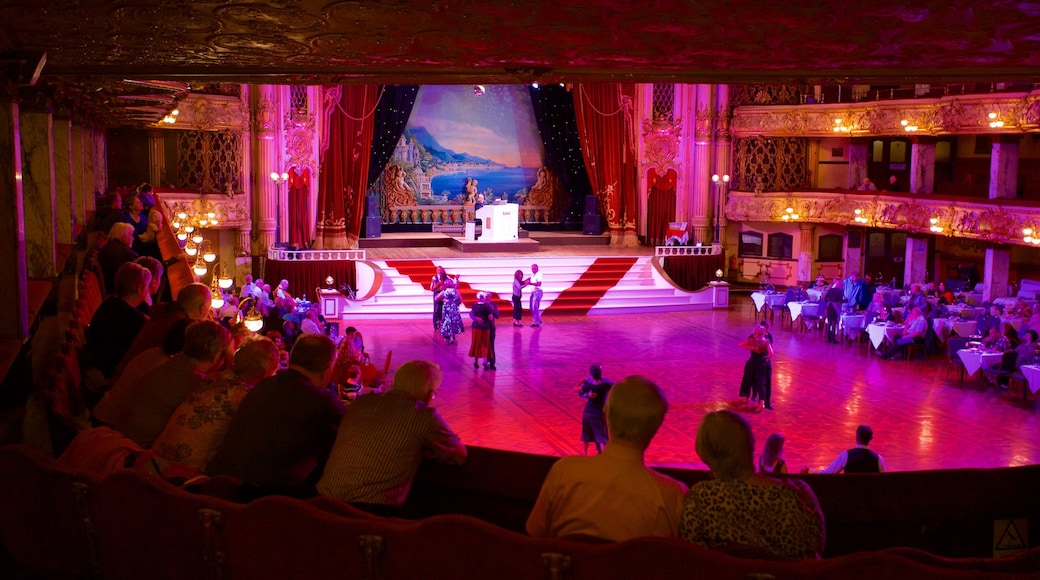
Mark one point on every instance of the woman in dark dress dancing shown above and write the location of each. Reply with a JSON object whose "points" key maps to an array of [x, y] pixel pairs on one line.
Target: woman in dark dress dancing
{"points": [[594, 389], [757, 370]]}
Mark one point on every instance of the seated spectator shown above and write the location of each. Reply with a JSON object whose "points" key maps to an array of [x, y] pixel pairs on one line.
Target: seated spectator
{"points": [[157, 395], [876, 310], [1027, 350], [352, 387], [117, 322], [193, 303], [859, 459], [311, 323], [198, 425], [351, 352], [613, 495], [383, 439], [229, 313], [115, 253], [249, 289], [739, 508], [772, 460], [990, 318], [156, 268], [117, 397], [108, 213], [281, 435], [996, 341], [915, 327]]}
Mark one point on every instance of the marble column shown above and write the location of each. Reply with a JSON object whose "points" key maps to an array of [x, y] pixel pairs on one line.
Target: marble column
{"points": [[83, 196], [700, 171], [806, 243], [266, 161], [915, 265], [1003, 167], [723, 150], [156, 157], [64, 202], [14, 305], [41, 225], [995, 274], [922, 164], [857, 161]]}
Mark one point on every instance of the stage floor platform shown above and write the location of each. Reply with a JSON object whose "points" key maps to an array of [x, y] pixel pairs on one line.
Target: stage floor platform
{"points": [[425, 245]]}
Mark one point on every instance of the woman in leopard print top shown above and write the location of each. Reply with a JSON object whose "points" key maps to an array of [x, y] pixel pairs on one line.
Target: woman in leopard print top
{"points": [[740, 508]]}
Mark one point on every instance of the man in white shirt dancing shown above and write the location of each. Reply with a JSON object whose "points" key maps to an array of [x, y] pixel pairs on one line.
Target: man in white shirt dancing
{"points": [[536, 295]]}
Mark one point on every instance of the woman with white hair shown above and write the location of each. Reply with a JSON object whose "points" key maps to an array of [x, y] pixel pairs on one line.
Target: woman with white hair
{"points": [[451, 321], [482, 316]]}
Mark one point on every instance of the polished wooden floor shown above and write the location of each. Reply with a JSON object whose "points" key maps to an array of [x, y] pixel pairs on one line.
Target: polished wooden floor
{"points": [[922, 418]]}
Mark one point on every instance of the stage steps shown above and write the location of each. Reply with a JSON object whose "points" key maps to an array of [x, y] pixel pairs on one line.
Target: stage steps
{"points": [[579, 285]]}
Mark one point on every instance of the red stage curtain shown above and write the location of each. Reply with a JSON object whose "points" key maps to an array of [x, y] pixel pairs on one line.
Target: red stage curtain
{"points": [[660, 204], [604, 115], [344, 166], [305, 277], [299, 194], [692, 272]]}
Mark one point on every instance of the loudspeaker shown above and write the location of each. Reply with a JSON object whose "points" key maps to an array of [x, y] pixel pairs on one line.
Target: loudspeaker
{"points": [[373, 226], [593, 225], [372, 206], [591, 205]]}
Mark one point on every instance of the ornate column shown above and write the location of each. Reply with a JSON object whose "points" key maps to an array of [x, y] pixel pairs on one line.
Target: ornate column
{"points": [[806, 243], [266, 160], [857, 161], [723, 151], [37, 133], [14, 305], [701, 169], [922, 164], [83, 196], [915, 266], [89, 159], [1003, 167], [156, 157], [995, 274], [64, 203]]}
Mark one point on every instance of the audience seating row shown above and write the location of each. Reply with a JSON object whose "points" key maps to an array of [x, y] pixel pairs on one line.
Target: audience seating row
{"points": [[60, 523]]}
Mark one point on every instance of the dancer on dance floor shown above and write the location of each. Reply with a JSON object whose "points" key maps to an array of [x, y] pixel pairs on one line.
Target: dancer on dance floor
{"points": [[536, 296], [436, 285], [594, 389], [451, 322], [482, 341], [518, 291], [756, 368]]}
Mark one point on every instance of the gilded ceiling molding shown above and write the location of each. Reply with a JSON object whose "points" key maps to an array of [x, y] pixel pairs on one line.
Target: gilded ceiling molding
{"points": [[976, 221], [964, 114], [203, 112], [661, 140]]}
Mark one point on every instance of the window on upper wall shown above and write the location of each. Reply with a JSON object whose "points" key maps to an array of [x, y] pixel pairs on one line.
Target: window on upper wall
{"points": [[830, 248], [781, 246], [750, 245]]}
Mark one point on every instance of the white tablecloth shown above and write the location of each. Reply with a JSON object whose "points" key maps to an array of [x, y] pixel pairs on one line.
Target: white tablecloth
{"points": [[946, 327], [799, 308], [759, 298], [975, 359], [1019, 324], [814, 295], [878, 333], [963, 310], [1032, 374]]}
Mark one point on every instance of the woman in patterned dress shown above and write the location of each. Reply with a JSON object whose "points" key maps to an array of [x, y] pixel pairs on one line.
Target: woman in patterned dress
{"points": [[451, 320], [740, 509]]}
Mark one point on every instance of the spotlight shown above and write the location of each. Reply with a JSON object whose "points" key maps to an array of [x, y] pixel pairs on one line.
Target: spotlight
{"points": [[534, 86], [478, 90]]}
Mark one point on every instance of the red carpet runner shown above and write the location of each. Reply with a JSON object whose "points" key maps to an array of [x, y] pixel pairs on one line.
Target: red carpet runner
{"points": [[422, 271], [586, 291]]}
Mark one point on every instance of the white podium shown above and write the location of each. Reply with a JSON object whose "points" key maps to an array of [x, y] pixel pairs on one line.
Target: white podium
{"points": [[500, 222]]}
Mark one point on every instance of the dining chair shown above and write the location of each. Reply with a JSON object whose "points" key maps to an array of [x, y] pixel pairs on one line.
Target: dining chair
{"points": [[998, 376], [954, 344]]}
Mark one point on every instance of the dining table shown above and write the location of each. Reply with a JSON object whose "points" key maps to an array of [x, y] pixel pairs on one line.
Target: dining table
{"points": [[977, 358], [1016, 322], [946, 327], [883, 332], [770, 299], [799, 308], [853, 324]]}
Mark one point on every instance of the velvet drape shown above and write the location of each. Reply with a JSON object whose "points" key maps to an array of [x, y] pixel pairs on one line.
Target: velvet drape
{"points": [[604, 115], [344, 167], [553, 109], [660, 206], [392, 113], [299, 212]]}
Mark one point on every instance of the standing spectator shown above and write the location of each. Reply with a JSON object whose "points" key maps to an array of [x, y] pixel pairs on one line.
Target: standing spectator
{"points": [[482, 342], [833, 299], [852, 290], [739, 507], [518, 290], [281, 435], [613, 495], [383, 439], [536, 296], [594, 389], [859, 459]]}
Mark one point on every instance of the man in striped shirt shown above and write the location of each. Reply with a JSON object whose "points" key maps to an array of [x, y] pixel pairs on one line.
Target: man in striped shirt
{"points": [[384, 437]]}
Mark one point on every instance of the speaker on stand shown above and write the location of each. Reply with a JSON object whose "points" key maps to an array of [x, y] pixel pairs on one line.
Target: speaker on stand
{"points": [[373, 221], [593, 222]]}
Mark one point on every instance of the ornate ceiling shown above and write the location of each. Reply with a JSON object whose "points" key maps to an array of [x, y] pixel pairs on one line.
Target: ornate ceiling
{"points": [[91, 46]]}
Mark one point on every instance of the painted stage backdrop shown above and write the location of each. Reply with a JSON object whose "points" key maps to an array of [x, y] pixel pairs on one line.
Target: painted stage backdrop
{"points": [[465, 140]]}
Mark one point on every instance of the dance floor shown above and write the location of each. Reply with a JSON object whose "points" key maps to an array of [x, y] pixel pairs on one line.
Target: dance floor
{"points": [[922, 418]]}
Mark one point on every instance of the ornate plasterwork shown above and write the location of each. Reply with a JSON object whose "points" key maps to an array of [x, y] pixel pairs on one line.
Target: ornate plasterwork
{"points": [[299, 140], [964, 114], [211, 113], [232, 213], [661, 140], [703, 121], [977, 221]]}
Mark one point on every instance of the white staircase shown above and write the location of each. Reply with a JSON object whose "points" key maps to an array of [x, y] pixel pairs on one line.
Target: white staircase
{"points": [[642, 289]]}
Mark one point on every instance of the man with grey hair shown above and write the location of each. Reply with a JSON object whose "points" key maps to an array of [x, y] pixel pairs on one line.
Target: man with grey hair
{"points": [[384, 438], [613, 495], [193, 303]]}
